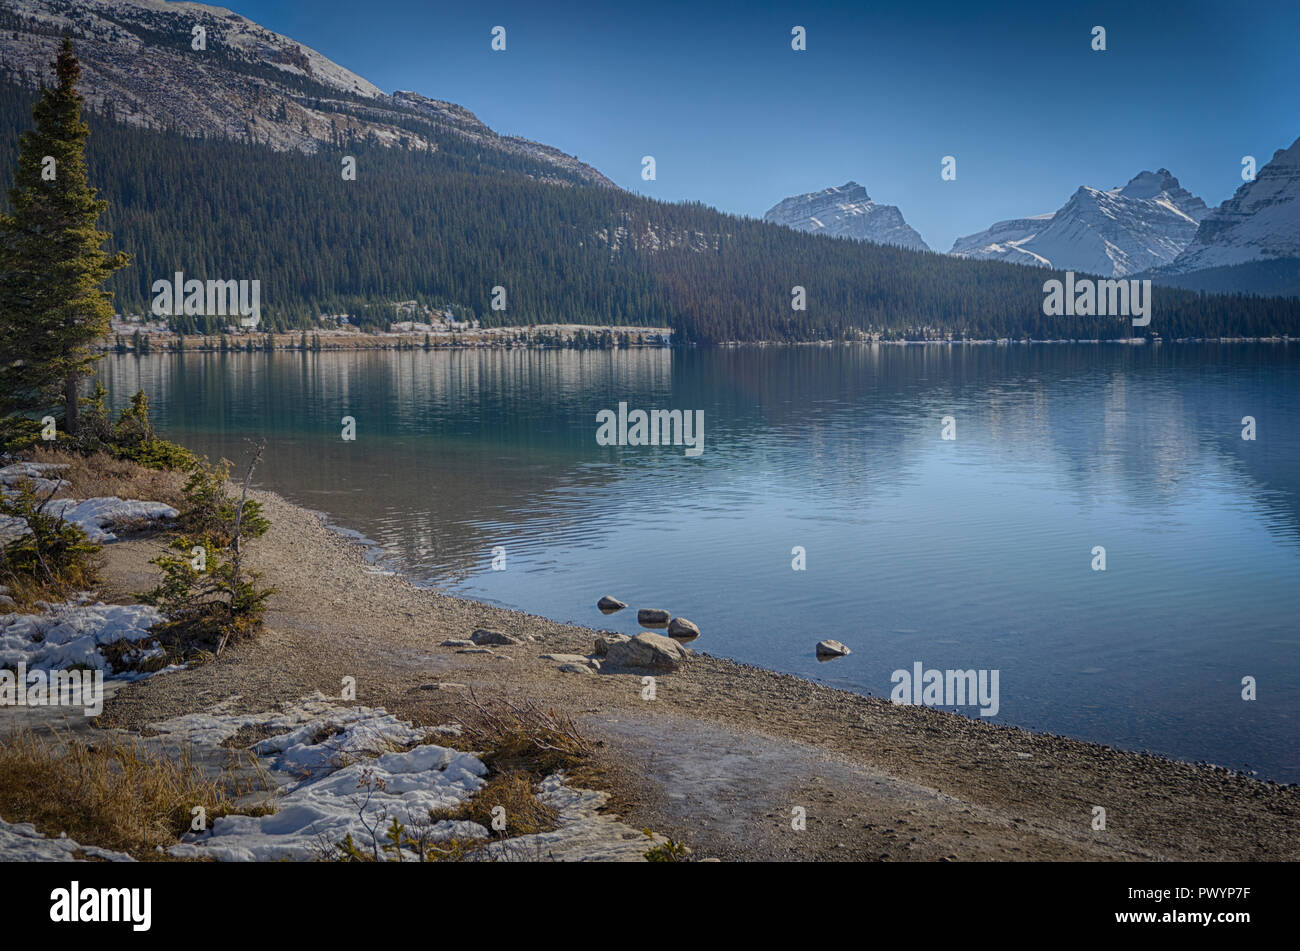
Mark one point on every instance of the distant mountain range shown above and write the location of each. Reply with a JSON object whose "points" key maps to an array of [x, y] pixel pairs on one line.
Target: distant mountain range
{"points": [[1151, 226], [1116, 232], [846, 212], [1252, 240], [224, 163]]}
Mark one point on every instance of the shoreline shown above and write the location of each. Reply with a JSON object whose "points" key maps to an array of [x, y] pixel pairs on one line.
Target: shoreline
{"points": [[500, 338], [380, 563], [725, 751]]}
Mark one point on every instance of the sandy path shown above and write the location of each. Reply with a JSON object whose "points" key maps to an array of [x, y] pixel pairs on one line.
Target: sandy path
{"points": [[726, 752]]}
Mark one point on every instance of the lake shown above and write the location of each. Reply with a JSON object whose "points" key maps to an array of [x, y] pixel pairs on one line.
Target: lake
{"points": [[975, 552]]}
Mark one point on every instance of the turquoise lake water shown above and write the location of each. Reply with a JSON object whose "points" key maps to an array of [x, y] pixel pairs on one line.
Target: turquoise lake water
{"points": [[970, 553]]}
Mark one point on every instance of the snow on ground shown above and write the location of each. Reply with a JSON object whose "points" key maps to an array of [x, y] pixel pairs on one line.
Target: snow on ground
{"points": [[37, 473], [336, 771], [96, 517], [72, 632], [20, 842], [343, 772], [582, 833]]}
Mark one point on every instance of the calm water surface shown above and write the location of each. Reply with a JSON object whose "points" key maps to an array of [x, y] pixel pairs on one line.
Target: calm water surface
{"points": [[971, 553]]}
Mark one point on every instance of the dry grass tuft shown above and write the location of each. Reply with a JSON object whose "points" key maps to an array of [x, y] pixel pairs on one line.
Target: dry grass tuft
{"points": [[528, 737], [26, 590], [113, 792], [99, 474], [514, 792]]}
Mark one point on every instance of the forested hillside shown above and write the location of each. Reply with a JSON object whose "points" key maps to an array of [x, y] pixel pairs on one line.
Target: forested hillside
{"points": [[440, 228]]}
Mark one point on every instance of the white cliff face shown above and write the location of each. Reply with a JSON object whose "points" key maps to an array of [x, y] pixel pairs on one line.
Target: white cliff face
{"points": [[1120, 231], [846, 212], [1258, 223]]}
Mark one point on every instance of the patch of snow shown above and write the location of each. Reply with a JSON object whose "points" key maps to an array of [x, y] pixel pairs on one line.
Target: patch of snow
{"points": [[347, 788], [582, 833], [20, 842], [96, 516], [71, 633]]}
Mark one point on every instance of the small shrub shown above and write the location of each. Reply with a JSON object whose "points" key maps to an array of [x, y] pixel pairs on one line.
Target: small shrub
{"points": [[54, 555], [210, 510], [207, 608], [667, 851], [209, 597]]}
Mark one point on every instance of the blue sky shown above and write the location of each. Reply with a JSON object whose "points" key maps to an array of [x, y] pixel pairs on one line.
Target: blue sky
{"points": [[738, 120]]}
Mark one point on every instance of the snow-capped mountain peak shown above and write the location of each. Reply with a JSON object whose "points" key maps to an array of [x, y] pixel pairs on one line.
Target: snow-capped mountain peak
{"points": [[1260, 222], [1117, 231], [846, 211]]}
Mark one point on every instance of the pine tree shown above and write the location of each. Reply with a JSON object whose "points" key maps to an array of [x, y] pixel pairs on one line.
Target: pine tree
{"points": [[52, 266]]}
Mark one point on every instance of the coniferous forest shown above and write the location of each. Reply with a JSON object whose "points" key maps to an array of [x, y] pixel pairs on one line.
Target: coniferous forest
{"points": [[445, 228]]}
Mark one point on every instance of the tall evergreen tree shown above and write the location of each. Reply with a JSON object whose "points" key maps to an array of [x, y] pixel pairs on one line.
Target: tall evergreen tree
{"points": [[52, 265]]}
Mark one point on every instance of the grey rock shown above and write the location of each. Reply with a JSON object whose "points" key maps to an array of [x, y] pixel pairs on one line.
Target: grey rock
{"points": [[475, 650], [683, 630], [652, 617], [565, 658], [608, 604], [649, 651], [606, 640], [457, 643], [575, 669], [482, 636], [832, 649]]}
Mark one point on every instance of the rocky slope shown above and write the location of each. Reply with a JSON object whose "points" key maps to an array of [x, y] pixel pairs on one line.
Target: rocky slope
{"points": [[249, 83], [1143, 224], [1260, 222], [846, 212]]}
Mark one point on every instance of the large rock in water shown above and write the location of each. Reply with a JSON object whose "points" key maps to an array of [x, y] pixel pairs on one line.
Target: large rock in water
{"points": [[648, 651], [683, 630], [610, 605], [832, 649], [652, 617]]}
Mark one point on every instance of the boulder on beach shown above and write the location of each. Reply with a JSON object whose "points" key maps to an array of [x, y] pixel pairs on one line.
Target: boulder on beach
{"points": [[604, 642], [681, 629], [652, 617], [482, 636], [457, 642], [647, 651], [828, 649], [566, 658], [610, 605]]}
